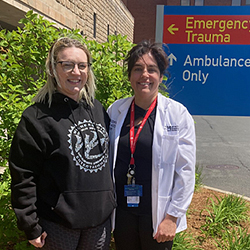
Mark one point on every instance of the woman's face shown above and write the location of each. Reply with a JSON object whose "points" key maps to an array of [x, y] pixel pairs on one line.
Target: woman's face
{"points": [[71, 81], [145, 77]]}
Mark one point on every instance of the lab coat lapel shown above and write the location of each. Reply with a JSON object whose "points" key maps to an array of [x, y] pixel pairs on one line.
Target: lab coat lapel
{"points": [[121, 115]]}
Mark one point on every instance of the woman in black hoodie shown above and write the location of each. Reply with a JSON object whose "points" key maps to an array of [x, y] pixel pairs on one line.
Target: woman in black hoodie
{"points": [[62, 192]]}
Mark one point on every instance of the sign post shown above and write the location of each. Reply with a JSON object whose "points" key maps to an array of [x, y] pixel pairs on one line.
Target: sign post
{"points": [[209, 55]]}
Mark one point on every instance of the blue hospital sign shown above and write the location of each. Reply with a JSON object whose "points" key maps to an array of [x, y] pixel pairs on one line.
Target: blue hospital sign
{"points": [[209, 55]]}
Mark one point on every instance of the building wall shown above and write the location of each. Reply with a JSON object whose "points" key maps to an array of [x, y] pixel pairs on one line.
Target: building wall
{"points": [[112, 13], [144, 12], [79, 14]]}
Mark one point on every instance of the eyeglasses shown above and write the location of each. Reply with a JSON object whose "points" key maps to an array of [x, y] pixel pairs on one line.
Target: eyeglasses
{"points": [[69, 66]]}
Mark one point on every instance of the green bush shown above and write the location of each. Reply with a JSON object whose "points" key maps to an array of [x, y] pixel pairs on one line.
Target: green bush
{"points": [[111, 79]]}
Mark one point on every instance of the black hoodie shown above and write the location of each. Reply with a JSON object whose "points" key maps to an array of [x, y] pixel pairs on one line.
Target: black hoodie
{"points": [[59, 166]]}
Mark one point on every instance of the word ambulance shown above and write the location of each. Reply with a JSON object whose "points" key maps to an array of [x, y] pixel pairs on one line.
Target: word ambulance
{"points": [[206, 61]]}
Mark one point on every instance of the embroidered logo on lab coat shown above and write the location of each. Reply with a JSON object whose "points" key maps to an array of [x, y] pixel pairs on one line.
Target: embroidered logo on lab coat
{"points": [[173, 128]]}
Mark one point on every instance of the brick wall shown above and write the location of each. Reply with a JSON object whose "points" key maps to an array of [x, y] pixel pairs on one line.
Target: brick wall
{"points": [[112, 13], [79, 14], [144, 12]]}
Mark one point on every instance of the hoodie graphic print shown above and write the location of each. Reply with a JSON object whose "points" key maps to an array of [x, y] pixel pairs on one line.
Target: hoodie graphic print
{"points": [[84, 140]]}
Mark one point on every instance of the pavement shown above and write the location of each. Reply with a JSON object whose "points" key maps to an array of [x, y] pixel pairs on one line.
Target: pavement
{"points": [[223, 152]]}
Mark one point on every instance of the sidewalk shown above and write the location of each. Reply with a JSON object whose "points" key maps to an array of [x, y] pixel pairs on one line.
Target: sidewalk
{"points": [[223, 152]]}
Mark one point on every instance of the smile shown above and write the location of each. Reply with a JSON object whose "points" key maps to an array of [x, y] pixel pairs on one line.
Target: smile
{"points": [[74, 81], [144, 83]]}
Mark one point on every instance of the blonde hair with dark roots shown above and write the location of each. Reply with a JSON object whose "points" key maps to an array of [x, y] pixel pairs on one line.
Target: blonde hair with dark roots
{"points": [[87, 92]]}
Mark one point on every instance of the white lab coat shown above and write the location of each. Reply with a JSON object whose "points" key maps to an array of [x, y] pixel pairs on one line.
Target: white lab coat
{"points": [[173, 157]]}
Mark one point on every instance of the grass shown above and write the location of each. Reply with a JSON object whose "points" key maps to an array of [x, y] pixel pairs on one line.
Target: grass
{"points": [[223, 213], [235, 239]]}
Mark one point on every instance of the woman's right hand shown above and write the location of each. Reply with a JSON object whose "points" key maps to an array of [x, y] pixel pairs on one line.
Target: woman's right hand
{"points": [[40, 241]]}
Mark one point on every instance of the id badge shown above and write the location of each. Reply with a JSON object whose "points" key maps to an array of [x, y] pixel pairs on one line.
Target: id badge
{"points": [[133, 193]]}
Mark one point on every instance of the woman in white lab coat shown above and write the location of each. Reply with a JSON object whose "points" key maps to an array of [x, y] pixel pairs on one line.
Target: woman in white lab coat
{"points": [[152, 142]]}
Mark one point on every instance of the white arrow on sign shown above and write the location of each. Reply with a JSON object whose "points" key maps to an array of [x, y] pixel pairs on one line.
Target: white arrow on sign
{"points": [[171, 57]]}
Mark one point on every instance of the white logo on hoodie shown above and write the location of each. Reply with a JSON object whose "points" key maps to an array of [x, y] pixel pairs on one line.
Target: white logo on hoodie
{"points": [[89, 145]]}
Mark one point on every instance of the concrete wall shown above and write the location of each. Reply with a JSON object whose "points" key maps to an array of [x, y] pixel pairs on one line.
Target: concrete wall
{"points": [[77, 14]]}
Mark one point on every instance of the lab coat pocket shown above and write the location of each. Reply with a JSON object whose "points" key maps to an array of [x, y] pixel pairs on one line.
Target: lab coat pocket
{"points": [[169, 147]]}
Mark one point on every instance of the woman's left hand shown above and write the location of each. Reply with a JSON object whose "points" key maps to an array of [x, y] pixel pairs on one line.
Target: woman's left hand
{"points": [[166, 230]]}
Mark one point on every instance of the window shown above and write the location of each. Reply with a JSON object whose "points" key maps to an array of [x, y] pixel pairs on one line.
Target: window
{"points": [[236, 2], [199, 2], [247, 2], [185, 2], [94, 26]]}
